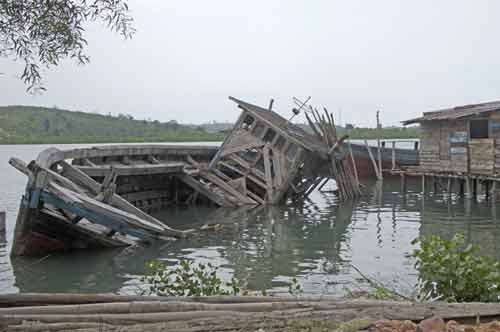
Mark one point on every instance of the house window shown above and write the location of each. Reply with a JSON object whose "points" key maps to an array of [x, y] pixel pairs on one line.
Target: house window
{"points": [[258, 129], [291, 152], [269, 136], [247, 122], [479, 128], [280, 143]]}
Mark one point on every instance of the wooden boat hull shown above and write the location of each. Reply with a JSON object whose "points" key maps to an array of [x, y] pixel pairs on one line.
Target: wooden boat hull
{"points": [[364, 165], [64, 208]]}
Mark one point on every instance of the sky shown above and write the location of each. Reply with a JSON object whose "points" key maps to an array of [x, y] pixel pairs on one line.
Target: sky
{"points": [[353, 57]]}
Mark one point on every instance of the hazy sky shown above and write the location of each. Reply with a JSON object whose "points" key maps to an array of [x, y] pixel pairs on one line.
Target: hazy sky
{"points": [[402, 57]]}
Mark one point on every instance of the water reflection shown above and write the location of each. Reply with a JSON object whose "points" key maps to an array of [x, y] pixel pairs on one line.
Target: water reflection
{"points": [[316, 240]]}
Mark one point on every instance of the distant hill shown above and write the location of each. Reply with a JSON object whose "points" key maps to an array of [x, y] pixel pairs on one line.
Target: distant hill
{"points": [[27, 124]]}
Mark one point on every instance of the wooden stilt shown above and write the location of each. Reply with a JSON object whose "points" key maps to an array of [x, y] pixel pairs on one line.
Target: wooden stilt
{"points": [[474, 188], [379, 153], [353, 161], [468, 188], [403, 183], [461, 189], [393, 155], [493, 191], [423, 184], [486, 185], [374, 163]]}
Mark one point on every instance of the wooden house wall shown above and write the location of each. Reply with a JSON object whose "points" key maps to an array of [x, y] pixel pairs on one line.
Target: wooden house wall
{"points": [[495, 134], [446, 146]]}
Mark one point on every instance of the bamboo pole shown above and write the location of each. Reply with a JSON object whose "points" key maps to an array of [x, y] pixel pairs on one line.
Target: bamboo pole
{"points": [[379, 152], [393, 155], [375, 167]]}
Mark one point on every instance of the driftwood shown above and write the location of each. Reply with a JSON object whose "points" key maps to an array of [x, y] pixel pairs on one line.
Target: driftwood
{"points": [[133, 313]]}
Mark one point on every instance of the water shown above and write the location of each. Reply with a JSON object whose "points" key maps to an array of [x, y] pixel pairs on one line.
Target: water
{"points": [[318, 241]]}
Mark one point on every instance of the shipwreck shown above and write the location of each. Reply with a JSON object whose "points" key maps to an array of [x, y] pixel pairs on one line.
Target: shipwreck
{"points": [[103, 196]]}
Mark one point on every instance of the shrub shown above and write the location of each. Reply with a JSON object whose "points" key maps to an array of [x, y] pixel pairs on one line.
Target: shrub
{"points": [[451, 271], [188, 280]]}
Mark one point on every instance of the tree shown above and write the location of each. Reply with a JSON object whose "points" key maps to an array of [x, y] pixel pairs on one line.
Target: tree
{"points": [[41, 33]]}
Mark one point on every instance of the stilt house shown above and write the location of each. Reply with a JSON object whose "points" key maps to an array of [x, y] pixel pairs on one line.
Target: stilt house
{"points": [[463, 139]]}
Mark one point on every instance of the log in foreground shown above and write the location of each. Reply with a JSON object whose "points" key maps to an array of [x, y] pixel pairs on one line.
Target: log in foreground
{"points": [[141, 313]]}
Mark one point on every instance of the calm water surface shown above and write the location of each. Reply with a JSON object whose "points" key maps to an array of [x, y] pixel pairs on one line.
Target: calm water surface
{"points": [[318, 240]]}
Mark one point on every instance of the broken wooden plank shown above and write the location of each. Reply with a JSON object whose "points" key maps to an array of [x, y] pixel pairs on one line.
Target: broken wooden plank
{"points": [[202, 189], [254, 145], [247, 166], [226, 187], [269, 176], [116, 200], [112, 213], [244, 173], [277, 169], [131, 170]]}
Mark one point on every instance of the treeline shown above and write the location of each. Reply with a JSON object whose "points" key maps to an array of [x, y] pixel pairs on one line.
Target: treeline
{"points": [[31, 125]]}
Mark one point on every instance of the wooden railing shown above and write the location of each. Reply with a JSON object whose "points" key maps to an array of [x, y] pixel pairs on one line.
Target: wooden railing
{"points": [[416, 146]]}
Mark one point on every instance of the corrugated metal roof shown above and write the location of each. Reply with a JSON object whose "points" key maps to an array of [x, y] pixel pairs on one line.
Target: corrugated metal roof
{"points": [[457, 112], [305, 139]]}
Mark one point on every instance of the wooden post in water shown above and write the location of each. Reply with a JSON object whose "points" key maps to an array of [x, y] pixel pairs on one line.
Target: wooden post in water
{"points": [[486, 186], [353, 161], [378, 171], [393, 155], [474, 188], [379, 152], [493, 191], [449, 186], [468, 188], [403, 183], [461, 187], [423, 184]]}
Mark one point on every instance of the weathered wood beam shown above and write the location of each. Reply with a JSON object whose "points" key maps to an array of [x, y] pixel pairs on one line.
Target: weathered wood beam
{"points": [[244, 173], [269, 176], [116, 200], [131, 170], [278, 176], [226, 187], [99, 213], [202, 189], [152, 159], [247, 166], [87, 162], [243, 147]]}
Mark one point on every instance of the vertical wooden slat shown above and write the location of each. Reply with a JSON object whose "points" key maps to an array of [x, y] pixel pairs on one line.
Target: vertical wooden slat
{"points": [[267, 169]]}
